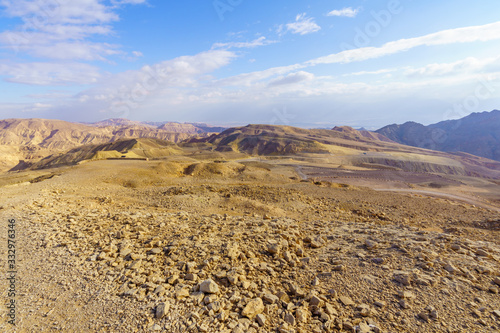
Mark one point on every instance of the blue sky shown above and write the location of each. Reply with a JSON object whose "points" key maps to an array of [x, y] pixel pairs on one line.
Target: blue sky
{"points": [[233, 62]]}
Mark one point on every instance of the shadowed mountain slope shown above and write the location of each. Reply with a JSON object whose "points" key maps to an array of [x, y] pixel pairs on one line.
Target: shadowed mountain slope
{"points": [[477, 134]]}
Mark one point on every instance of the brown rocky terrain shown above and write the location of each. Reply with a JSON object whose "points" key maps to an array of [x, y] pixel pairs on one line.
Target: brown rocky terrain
{"points": [[30, 140], [256, 229], [186, 245]]}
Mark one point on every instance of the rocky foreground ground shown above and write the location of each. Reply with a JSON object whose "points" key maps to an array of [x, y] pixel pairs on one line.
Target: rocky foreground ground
{"points": [[240, 258]]}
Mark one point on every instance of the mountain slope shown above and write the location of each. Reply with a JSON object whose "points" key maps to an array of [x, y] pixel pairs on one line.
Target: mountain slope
{"points": [[141, 148], [33, 139], [477, 134], [348, 145], [279, 140]]}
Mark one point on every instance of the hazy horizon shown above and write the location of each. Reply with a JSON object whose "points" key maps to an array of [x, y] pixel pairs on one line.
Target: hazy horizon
{"points": [[314, 64]]}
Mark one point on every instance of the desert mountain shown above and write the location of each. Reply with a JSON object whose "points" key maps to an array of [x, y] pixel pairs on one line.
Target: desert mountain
{"points": [[117, 122], [278, 140], [34, 139], [361, 133], [141, 148], [172, 127], [348, 146], [342, 145], [477, 134]]}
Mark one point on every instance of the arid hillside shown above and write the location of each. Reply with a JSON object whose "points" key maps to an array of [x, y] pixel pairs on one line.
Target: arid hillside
{"points": [[348, 146], [341, 146], [190, 244], [30, 140]]}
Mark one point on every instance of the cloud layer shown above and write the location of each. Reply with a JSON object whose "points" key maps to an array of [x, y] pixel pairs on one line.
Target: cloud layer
{"points": [[66, 42]]}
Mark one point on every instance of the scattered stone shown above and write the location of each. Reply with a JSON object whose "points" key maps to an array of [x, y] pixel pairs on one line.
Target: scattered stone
{"points": [[450, 268], [273, 248], [270, 298], [190, 277], [209, 286], [338, 268], [253, 308], [482, 253], [424, 316], [378, 261], [296, 290], [302, 315], [406, 294], [370, 245], [161, 309], [156, 327], [261, 319], [316, 301], [329, 309], [290, 319], [403, 278], [346, 300], [317, 242], [182, 292]]}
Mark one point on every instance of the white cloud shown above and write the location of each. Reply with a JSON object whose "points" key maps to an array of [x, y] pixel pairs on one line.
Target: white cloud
{"points": [[137, 54], [250, 79], [261, 41], [130, 89], [184, 84], [57, 94], [76, 51], [347, 12], [36, 107], [43, 12], [292, 78], [40, 73], [452, 36], [129, 2], [463, 66], [303, 25], [377, 72], [61, 29]]}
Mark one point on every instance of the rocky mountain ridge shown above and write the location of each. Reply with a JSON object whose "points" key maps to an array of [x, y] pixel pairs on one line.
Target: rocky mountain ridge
{"points": [[477, 134], [33, 139]]}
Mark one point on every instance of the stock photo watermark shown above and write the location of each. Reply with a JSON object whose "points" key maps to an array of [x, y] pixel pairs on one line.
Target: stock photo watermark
{"points": [[380, 19], [223, 6], [11, 272], [281, 117], [130, 98], [485, 89]]}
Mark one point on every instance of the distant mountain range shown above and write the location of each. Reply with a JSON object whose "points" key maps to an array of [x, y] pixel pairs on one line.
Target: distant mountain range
{"points": [[33, 139], [344, 146], [477, 134], [169, 126], [46, 143]]}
